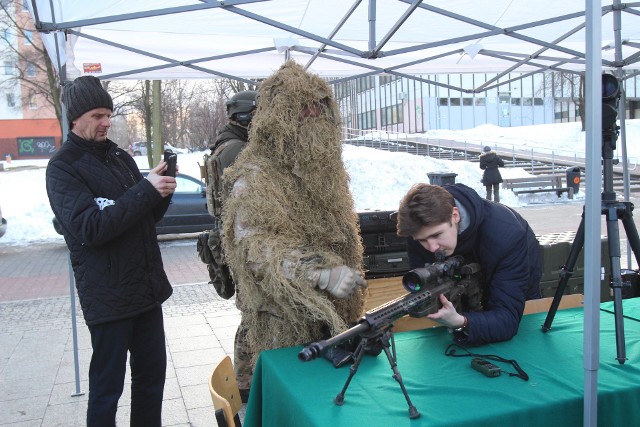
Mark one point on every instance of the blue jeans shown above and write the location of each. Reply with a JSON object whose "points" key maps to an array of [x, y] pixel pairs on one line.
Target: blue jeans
{"points": [[143, 337]]}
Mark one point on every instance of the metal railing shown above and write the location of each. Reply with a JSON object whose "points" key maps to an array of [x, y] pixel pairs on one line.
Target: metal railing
{"points": [[531, 157]]}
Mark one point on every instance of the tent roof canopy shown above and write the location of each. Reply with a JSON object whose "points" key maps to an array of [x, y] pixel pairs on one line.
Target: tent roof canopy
{"points": [[244, 39]]}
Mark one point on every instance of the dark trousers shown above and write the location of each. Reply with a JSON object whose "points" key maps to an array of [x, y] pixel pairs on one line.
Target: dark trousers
{"points": [[143, 337], [496, 192]]}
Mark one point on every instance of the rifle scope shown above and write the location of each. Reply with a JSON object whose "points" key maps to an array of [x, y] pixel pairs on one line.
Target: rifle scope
{"points": [[414, 280], [419, 278]]}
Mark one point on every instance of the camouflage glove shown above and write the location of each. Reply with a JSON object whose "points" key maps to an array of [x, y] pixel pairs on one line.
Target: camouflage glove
{"points": [[340, 281]]}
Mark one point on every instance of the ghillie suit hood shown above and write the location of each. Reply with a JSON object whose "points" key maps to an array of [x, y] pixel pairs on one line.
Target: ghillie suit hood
{"points": [[287, 212]]}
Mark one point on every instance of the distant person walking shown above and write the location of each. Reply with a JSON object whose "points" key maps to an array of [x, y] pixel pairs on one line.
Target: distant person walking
{"points": [[491, 178]]}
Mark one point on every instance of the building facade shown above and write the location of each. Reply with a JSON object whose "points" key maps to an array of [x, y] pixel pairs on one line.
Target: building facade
{"points": [[394, 104], [28, 123]]}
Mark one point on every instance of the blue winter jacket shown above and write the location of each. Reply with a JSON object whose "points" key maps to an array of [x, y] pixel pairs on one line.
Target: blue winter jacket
{"points": [[502, 242]]}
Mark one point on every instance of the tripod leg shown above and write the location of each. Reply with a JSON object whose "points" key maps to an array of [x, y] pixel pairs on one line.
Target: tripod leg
{"points": [[413, 412], [565, 274], [358, 353], [613, 234], [631, 231]]}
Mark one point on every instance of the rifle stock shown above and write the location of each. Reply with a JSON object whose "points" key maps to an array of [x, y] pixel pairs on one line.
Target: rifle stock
{"points": [[451, 277]]}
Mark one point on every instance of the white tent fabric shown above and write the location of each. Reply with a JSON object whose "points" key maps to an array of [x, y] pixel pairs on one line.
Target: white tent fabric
{"points": [[172, 39], [176, 39]]}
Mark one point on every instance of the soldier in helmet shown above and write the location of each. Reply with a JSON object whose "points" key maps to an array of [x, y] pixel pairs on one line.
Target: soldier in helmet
{"points": [[233, 137], [230, 141]]}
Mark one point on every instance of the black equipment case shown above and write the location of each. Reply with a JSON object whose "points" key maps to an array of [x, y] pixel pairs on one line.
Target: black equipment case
{"points": [[385, 253]]}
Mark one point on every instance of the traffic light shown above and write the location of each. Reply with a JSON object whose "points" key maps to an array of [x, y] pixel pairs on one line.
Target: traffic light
{"points": [[610, 100]]}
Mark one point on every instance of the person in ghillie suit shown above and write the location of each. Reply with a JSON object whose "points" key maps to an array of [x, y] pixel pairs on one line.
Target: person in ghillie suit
{"points": [[491, 178], [289, 225]]}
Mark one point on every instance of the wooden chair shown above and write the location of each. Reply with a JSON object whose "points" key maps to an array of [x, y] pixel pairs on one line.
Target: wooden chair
{"points": [[225, 394]]}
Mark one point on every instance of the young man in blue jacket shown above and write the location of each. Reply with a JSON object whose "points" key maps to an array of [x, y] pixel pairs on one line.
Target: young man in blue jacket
{"points": [[455, 220]]}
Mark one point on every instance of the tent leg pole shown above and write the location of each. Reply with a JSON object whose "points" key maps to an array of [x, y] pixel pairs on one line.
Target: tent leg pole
{"points": [[74, 329]]}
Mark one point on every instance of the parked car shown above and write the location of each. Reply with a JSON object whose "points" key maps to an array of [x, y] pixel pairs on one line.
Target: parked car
{"points": [[3, 224], [140, 148], [187, 212]]}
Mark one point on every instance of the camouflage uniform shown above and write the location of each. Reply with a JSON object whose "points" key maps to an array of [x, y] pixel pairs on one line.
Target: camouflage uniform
{"points": [[288, 218], [230, 141]]}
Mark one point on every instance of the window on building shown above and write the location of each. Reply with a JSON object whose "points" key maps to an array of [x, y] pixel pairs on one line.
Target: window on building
{"points": [[480, 102], [467, 101], [364, 83], [11, 100], [5, 34], [342, 89], [28, 37], [8, 68], [454, 102], [391, 115], [367, 120], [388, 79], [31, 70], [443, 102], [33, 101], [538, 101], [516, 101]]}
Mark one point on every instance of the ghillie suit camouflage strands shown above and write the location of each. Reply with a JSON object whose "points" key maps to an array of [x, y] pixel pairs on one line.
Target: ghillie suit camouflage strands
{"points": [[287, 212]]}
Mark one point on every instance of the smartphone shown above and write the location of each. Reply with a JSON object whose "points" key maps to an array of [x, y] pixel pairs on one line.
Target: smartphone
{"points": [[172, 160], [485, 367]]}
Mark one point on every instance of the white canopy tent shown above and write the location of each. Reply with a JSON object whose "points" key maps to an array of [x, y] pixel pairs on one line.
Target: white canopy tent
{"points": [[175, 39], [244, 39]]}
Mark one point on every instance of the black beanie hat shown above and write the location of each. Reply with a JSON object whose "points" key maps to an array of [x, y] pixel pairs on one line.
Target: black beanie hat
{"points": [[84, 94]]}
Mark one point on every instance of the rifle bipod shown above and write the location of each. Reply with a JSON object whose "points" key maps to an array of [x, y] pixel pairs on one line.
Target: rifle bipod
{"points": [[385, 340]]}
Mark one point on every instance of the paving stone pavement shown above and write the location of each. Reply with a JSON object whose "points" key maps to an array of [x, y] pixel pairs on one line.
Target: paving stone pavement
{"points": [[38, 384]]}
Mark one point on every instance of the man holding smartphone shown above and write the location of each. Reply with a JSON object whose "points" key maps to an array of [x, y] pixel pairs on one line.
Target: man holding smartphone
{"points": [[107, 213]]}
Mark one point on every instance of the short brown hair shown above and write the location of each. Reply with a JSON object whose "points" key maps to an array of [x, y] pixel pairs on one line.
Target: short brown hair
{"points": [[424, 205]]}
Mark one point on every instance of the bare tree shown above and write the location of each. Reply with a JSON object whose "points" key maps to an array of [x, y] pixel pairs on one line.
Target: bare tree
{"points": [[35, 74], [208, 114], [177, 100], [568, 87], [22, 47]]}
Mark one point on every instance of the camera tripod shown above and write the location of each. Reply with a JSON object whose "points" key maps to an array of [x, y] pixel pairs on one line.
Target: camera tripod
{"points": [[613, 212], [382, 338]]}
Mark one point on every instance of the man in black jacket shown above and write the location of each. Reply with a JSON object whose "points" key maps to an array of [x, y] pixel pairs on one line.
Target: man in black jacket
{"points": [[455, 220], [107, 212]]}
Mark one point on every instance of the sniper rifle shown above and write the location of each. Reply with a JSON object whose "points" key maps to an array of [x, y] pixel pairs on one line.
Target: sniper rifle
{"points": [[450, 276]]}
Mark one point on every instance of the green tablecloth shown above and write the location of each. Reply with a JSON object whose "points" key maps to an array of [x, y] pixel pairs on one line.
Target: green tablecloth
{"points": [[447, 392]]}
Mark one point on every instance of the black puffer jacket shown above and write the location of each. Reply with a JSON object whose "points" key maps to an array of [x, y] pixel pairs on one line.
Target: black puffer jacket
{"points": [[509, 255], [107, 212], [490, 162]]}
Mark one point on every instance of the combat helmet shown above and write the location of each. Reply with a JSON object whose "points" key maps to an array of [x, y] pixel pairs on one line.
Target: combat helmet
{"points": [[241, 105]]}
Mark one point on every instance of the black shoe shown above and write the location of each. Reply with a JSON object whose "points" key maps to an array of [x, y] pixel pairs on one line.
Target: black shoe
{"points": [[244, 395]]}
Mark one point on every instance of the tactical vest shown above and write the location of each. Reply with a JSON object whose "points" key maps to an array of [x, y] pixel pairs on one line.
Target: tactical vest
{"points": [[214, 164]]}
